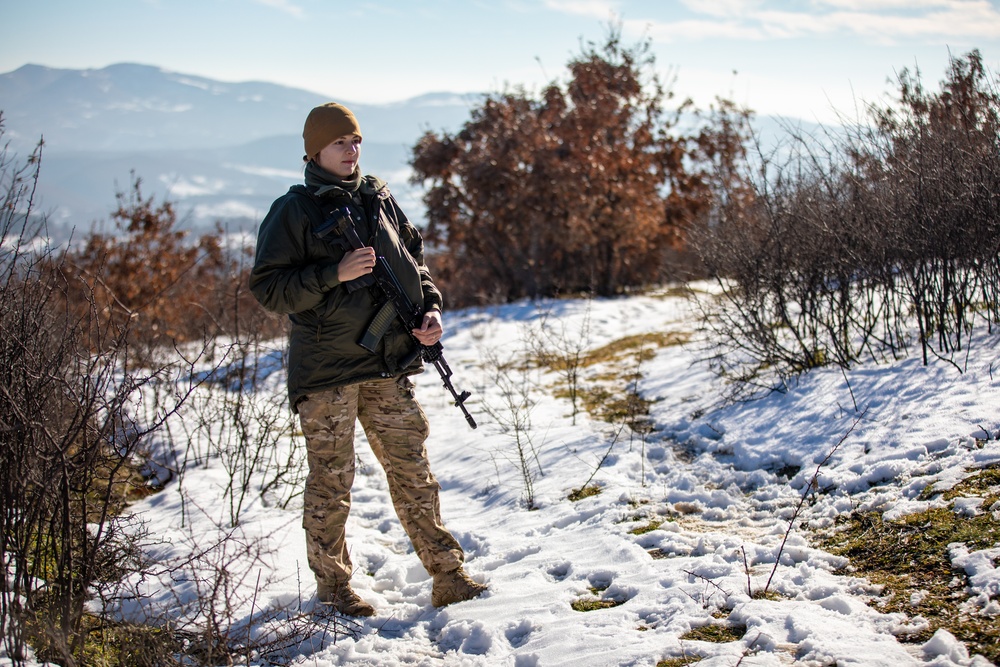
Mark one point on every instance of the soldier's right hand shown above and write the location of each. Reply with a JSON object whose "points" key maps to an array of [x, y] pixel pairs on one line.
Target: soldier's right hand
{"points": [[355, 264]]}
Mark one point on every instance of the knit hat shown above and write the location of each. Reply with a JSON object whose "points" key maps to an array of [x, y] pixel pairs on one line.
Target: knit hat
{"points": [[324, 124]]}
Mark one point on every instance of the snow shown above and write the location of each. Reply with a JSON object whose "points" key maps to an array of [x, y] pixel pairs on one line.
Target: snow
{"points": [[984, 576], [724, 479]]}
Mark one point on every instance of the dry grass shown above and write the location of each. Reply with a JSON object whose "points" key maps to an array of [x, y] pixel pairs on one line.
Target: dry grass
{"points": [[909, 560]]}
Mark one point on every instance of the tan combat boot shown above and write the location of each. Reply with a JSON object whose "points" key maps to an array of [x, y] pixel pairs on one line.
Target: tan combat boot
{"points": [[342, 597], [454, 586]]}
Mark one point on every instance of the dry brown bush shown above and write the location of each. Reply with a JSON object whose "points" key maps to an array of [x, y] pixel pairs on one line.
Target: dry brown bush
{"points": [[167, 290], [589, 188]]}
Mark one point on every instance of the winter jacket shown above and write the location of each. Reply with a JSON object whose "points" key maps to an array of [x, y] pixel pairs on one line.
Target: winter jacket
{"points": [[295, 273]]}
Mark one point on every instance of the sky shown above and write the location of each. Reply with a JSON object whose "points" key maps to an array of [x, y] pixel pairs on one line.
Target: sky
{"points": [[809, 59]]}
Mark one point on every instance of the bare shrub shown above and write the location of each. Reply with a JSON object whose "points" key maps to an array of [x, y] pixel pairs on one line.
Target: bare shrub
{"points": [[851, 240], [168, 288], [512, 413], [91, 395], [70, 439], [930, 168], [233, 417], [550, 342]]}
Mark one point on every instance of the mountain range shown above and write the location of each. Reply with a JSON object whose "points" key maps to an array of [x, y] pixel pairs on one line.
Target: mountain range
{"points": [[221, 152]]}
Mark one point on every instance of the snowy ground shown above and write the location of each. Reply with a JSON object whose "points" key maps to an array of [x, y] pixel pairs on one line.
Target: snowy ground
{"points": [[716, 474]]}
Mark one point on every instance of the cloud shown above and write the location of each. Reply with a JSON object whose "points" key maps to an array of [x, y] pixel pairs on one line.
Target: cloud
{"points": [[876, 5], [875, 20], [601, 9], [957, 20], [284, 5], [723, 8]]}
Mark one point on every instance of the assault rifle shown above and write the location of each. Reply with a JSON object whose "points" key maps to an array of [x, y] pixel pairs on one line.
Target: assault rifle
{"points": [[397, 304]]}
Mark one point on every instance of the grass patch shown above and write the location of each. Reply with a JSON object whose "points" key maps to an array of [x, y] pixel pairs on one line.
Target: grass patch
{"points": [[613, 404], [593, 604], [54, 549], [611, 396], [680, 661], [909, 559], [648, 528], [596, 602], [674, 291], [760, 594], [104, 644], [985, 483], [717, 633], [645, 345], [584, 492]]}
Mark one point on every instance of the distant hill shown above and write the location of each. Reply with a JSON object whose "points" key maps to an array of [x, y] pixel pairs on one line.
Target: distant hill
{"points": [[221, 151]]}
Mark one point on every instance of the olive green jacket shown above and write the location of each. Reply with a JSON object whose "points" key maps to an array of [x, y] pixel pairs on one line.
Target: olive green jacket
{"points": [[295, 273]]}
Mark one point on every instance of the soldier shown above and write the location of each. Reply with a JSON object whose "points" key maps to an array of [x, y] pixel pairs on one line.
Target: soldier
{"points": [[321, 283]]}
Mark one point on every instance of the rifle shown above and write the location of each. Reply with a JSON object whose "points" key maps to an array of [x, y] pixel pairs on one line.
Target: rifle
{"points": [[397, 304]]}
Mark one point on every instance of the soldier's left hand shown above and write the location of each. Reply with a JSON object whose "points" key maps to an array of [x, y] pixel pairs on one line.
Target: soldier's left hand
{"points": [[431, 329]]}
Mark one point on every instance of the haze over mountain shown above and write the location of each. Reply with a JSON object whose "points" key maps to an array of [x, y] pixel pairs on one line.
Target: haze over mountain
{"points": [[221, 151]]}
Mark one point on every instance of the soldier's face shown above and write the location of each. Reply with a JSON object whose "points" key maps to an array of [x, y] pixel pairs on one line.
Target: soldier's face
{"points": [[340, 156]]}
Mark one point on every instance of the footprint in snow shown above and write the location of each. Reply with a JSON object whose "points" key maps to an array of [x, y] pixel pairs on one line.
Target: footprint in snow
{"points": [[559, 571], [518, 634], [512, 556]]}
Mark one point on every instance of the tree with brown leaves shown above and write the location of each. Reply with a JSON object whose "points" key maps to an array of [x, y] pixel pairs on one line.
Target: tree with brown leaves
{"points": [[587, 189]]}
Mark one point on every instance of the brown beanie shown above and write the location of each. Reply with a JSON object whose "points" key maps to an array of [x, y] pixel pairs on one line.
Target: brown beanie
{"points": [[324, 124]]}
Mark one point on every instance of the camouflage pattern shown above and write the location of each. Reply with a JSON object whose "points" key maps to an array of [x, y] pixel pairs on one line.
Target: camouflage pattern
{"points": [[397, 428]]}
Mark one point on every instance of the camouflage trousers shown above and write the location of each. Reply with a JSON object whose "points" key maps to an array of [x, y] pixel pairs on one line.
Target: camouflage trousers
{"points": [[397, 428]]}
